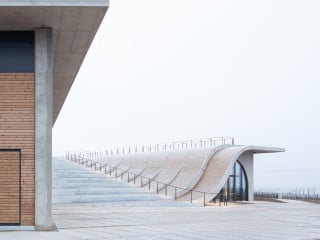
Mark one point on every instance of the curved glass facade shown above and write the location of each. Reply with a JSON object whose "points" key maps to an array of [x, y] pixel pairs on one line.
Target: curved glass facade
{"points": [[236, 187]]}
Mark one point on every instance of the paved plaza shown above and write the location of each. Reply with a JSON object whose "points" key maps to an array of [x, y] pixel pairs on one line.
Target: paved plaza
{"points": [[137, 214]]}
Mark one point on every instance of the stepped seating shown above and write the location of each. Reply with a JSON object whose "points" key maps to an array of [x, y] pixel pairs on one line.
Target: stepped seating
{"points": [[73, 183], [191, 166], [169, 170], [216, 168], [184, 174]]}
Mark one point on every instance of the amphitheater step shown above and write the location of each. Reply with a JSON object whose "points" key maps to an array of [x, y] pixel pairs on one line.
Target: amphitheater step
{"points": [[73, 183]]}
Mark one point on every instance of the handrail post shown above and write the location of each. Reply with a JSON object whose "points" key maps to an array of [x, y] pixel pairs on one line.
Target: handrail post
{"points": [[134, 179], [128, 176], [121, 174], [204, 199], [175, 193], [116, 173], [191, 197], [166, 190], [105, 169], [157, 187], [149, 184], [141, 181], [110, 170]]}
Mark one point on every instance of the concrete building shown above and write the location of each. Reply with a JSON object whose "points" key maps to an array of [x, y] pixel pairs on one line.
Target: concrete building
{"points": [[196, 170], [42, 46]]}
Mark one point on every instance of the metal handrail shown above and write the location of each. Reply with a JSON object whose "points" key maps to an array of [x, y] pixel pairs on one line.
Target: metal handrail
{"points": [[295, 195], [160, 147], [84, 161]]}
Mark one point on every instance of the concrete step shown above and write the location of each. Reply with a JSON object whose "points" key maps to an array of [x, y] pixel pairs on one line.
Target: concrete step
{"points": [[73, 183]]}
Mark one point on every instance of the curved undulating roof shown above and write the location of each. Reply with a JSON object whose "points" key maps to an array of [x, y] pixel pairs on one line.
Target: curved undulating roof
{"points": [[183, 172]]}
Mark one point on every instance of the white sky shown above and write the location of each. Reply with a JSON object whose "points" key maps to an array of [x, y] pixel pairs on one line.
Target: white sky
{"points": [[168, 70]]}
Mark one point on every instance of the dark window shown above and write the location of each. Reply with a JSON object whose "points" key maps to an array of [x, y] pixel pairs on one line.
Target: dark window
{"points": [[236, 187], [16, 51]]}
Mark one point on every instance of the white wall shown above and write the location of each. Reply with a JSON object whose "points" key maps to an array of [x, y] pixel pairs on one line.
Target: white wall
{"points": [[246, 160]]}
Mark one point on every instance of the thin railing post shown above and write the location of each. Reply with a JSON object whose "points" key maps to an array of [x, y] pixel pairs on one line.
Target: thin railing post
{"points": [[110, 170], [141, 181], [191, 197], [204, 199], [149, 184], [121, 175], [128, 176], [175, 193], [166, 190], [134, 179], [157, 187], [105, 169]]}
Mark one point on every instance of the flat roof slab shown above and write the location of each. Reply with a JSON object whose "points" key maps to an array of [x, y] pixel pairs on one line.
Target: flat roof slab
{"points": [[74, 25], [96, 3]]}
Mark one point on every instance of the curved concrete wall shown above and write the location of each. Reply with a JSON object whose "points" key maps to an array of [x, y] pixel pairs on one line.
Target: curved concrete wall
{"points": [[183, 173]]}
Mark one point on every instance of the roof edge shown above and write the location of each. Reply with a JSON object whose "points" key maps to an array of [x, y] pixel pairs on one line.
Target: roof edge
{"points": [[56, 3], [262, 149]]}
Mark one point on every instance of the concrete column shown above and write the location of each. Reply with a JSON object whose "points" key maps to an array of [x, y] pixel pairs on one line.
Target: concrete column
{"points": [[246, 160], [43, 129]]}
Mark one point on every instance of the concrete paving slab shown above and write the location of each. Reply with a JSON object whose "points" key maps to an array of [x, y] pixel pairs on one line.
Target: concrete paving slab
{"points": [[167, 219]]}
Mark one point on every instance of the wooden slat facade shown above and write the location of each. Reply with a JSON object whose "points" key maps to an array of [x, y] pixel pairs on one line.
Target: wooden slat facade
{"points": [[9, 187], [17, 127]]}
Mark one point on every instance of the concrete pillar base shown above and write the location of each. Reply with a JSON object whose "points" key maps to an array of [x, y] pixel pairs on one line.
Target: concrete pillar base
{"points": [[53, 227]]}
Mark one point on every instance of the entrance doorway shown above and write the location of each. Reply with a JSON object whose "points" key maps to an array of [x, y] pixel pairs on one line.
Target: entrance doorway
{"points": [[236, 187]]}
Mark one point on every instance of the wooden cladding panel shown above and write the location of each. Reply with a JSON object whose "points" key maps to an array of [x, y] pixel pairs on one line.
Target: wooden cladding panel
{"points": [[17, 128], [10, 187]]}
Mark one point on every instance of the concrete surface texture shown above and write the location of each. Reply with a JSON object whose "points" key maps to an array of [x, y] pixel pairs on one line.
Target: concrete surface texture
{"points": [[163, 218], [74, 25], [197, 173], [53, 2], [43, 128]]}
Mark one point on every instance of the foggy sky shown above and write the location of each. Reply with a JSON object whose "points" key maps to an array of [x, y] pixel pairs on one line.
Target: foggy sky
{"points": [[169, 70]]}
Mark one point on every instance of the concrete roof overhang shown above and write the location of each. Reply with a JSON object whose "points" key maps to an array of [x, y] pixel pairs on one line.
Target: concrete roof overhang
{"points": [[260, 149], [74, 24]]}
